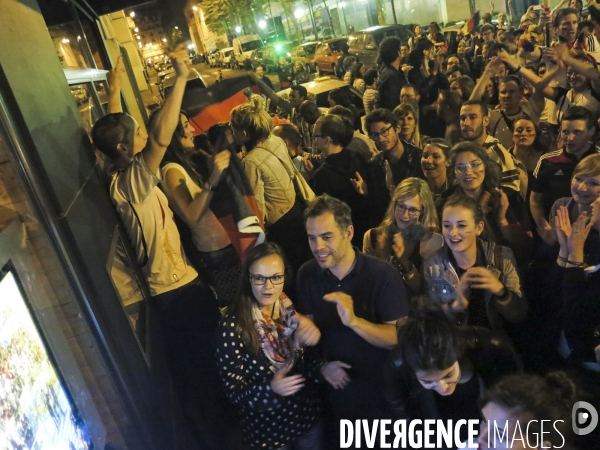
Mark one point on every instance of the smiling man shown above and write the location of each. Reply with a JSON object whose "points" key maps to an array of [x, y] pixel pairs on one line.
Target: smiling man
{"points": [[397, 161], [474, 120], [355, 301]]}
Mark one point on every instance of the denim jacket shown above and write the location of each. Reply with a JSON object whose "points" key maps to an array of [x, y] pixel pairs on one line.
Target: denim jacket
{"points": [[441, 279]]}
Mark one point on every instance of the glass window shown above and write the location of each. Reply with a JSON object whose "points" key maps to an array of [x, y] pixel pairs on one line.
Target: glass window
{"points": [[88, 108], [336, 46]]}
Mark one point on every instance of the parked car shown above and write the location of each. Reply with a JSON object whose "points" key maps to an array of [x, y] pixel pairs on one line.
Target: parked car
{"points": [[305, 53], [213, 57], [269, 55], [327, 54], [319, 89], [365, 43], [226, 57], [195, 81], [244, 46]]}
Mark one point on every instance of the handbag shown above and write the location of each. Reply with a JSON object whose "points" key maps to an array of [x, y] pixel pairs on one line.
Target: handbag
{"points": [[301, 187]]}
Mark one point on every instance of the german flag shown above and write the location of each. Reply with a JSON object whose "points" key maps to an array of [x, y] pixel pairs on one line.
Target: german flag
{"points": [[207, 107], [472, 23], [233, 203]]}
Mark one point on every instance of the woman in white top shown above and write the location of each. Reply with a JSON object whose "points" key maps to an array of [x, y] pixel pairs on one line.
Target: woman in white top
{"points": [[189, 186]]}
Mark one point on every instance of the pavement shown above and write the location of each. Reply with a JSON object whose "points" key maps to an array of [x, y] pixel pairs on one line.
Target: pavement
{"points": [[150, 96]]}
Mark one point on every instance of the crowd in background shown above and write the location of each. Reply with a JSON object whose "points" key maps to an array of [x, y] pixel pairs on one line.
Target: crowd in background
{"points": [[435, 258]]}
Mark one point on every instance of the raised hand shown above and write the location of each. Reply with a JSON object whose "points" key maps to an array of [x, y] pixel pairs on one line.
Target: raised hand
{"points": [[307, 164], [562, 225], [181, 68], [576, 239], [335, 374], [483, 278], [220, 162], [344, 305], [114, 75], [547, 233], [307, 332], [284, 386], [360, 185], [398, 246]]}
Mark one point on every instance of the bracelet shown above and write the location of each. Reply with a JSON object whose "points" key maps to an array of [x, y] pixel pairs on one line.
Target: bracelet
{"points": [[563, 259], [576, 264]]}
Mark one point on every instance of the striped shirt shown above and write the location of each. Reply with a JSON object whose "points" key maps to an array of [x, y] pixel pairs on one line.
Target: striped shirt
{"points": [[370, 100]]}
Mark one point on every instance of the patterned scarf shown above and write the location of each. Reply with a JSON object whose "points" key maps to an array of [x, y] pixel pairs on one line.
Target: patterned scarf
{"points": [[275, 332]]}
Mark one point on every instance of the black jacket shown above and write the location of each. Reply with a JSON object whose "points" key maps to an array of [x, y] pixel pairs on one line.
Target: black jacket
{"points": [[390, 85], [333, 178], [429, 86], [491, 355], [379, 196]]}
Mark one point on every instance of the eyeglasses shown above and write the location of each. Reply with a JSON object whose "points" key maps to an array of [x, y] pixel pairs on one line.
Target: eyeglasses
{"points": [[462, 168], [382, 133], [258, 280], [412, 212]]}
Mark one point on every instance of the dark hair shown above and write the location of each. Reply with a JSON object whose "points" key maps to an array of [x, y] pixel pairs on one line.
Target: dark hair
{"points": [[581, 113], [466, 202], [338, 96], [355, 72], [240, 310], [301, 90], [585, 24], [493, 171], [427, 339], [467, 85], [338, 128], [289, 133], [487, 27], [537, 145], [370, 76], [452, 99], [512, 79], [495, 48], [112, 130], [416, 56], [535, 398], [259, 65], [310, 111], [380, 115], [175, 153], [560, 14], [324, 203], [389, 50], [487, 17], [342, 111], [434, 27], [508, 37], [482, 106], [414, 27]]}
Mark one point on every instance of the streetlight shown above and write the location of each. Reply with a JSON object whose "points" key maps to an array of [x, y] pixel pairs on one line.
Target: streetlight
{"points": [[137, 37], [131, 14], [136, 29], [262, 24], [176, 27], [299, 13], [195, 8], [238, 29], [164, 39], [191, 46]]}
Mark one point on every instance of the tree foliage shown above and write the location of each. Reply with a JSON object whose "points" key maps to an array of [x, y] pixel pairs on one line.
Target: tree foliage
{"points": [[221, 15]]}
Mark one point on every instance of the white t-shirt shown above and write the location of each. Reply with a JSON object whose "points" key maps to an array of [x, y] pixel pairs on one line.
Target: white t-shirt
{"points": [[145, 212], [207, 233], [565, 98]]}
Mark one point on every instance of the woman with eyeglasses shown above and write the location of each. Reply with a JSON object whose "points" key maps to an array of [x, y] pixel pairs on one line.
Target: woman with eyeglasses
{"points": [[475, 280], [406, 235], [478, 176], [439, 370], [260, 355]]}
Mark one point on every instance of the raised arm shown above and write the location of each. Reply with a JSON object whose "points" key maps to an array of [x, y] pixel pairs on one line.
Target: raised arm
{"points": [[529, 75], [586, 69], [486, 76], [511, 13], [192, 208], [165, 121], [114, 87]]}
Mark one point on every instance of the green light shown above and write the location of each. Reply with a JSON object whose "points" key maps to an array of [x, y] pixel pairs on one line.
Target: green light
{"points": [[278, 48]]}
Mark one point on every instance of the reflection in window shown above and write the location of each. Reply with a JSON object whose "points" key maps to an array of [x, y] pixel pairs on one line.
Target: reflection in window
{"points": [[88, 108]]}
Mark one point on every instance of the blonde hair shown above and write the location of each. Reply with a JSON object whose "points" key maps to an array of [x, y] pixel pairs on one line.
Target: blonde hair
{"points": [[253, 119], [588, 166], [407, 189], [404, 109]]}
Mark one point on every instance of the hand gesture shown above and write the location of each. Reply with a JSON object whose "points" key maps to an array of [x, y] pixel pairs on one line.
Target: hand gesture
{"points": [[579, 233], [483, 278], [335, 374], [547, 233], [484, 202], [492, 6], [545, 17], [220, 162], [180, 67], [345, 306], [389, 177], [398, 246], [114, 75], [562, 225], [360, 185], [307, 333], [307, 164], [504, 204], [284, 386]]}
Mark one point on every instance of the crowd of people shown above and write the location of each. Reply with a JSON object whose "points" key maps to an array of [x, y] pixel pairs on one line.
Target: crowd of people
{"points": [[436, 258]]}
